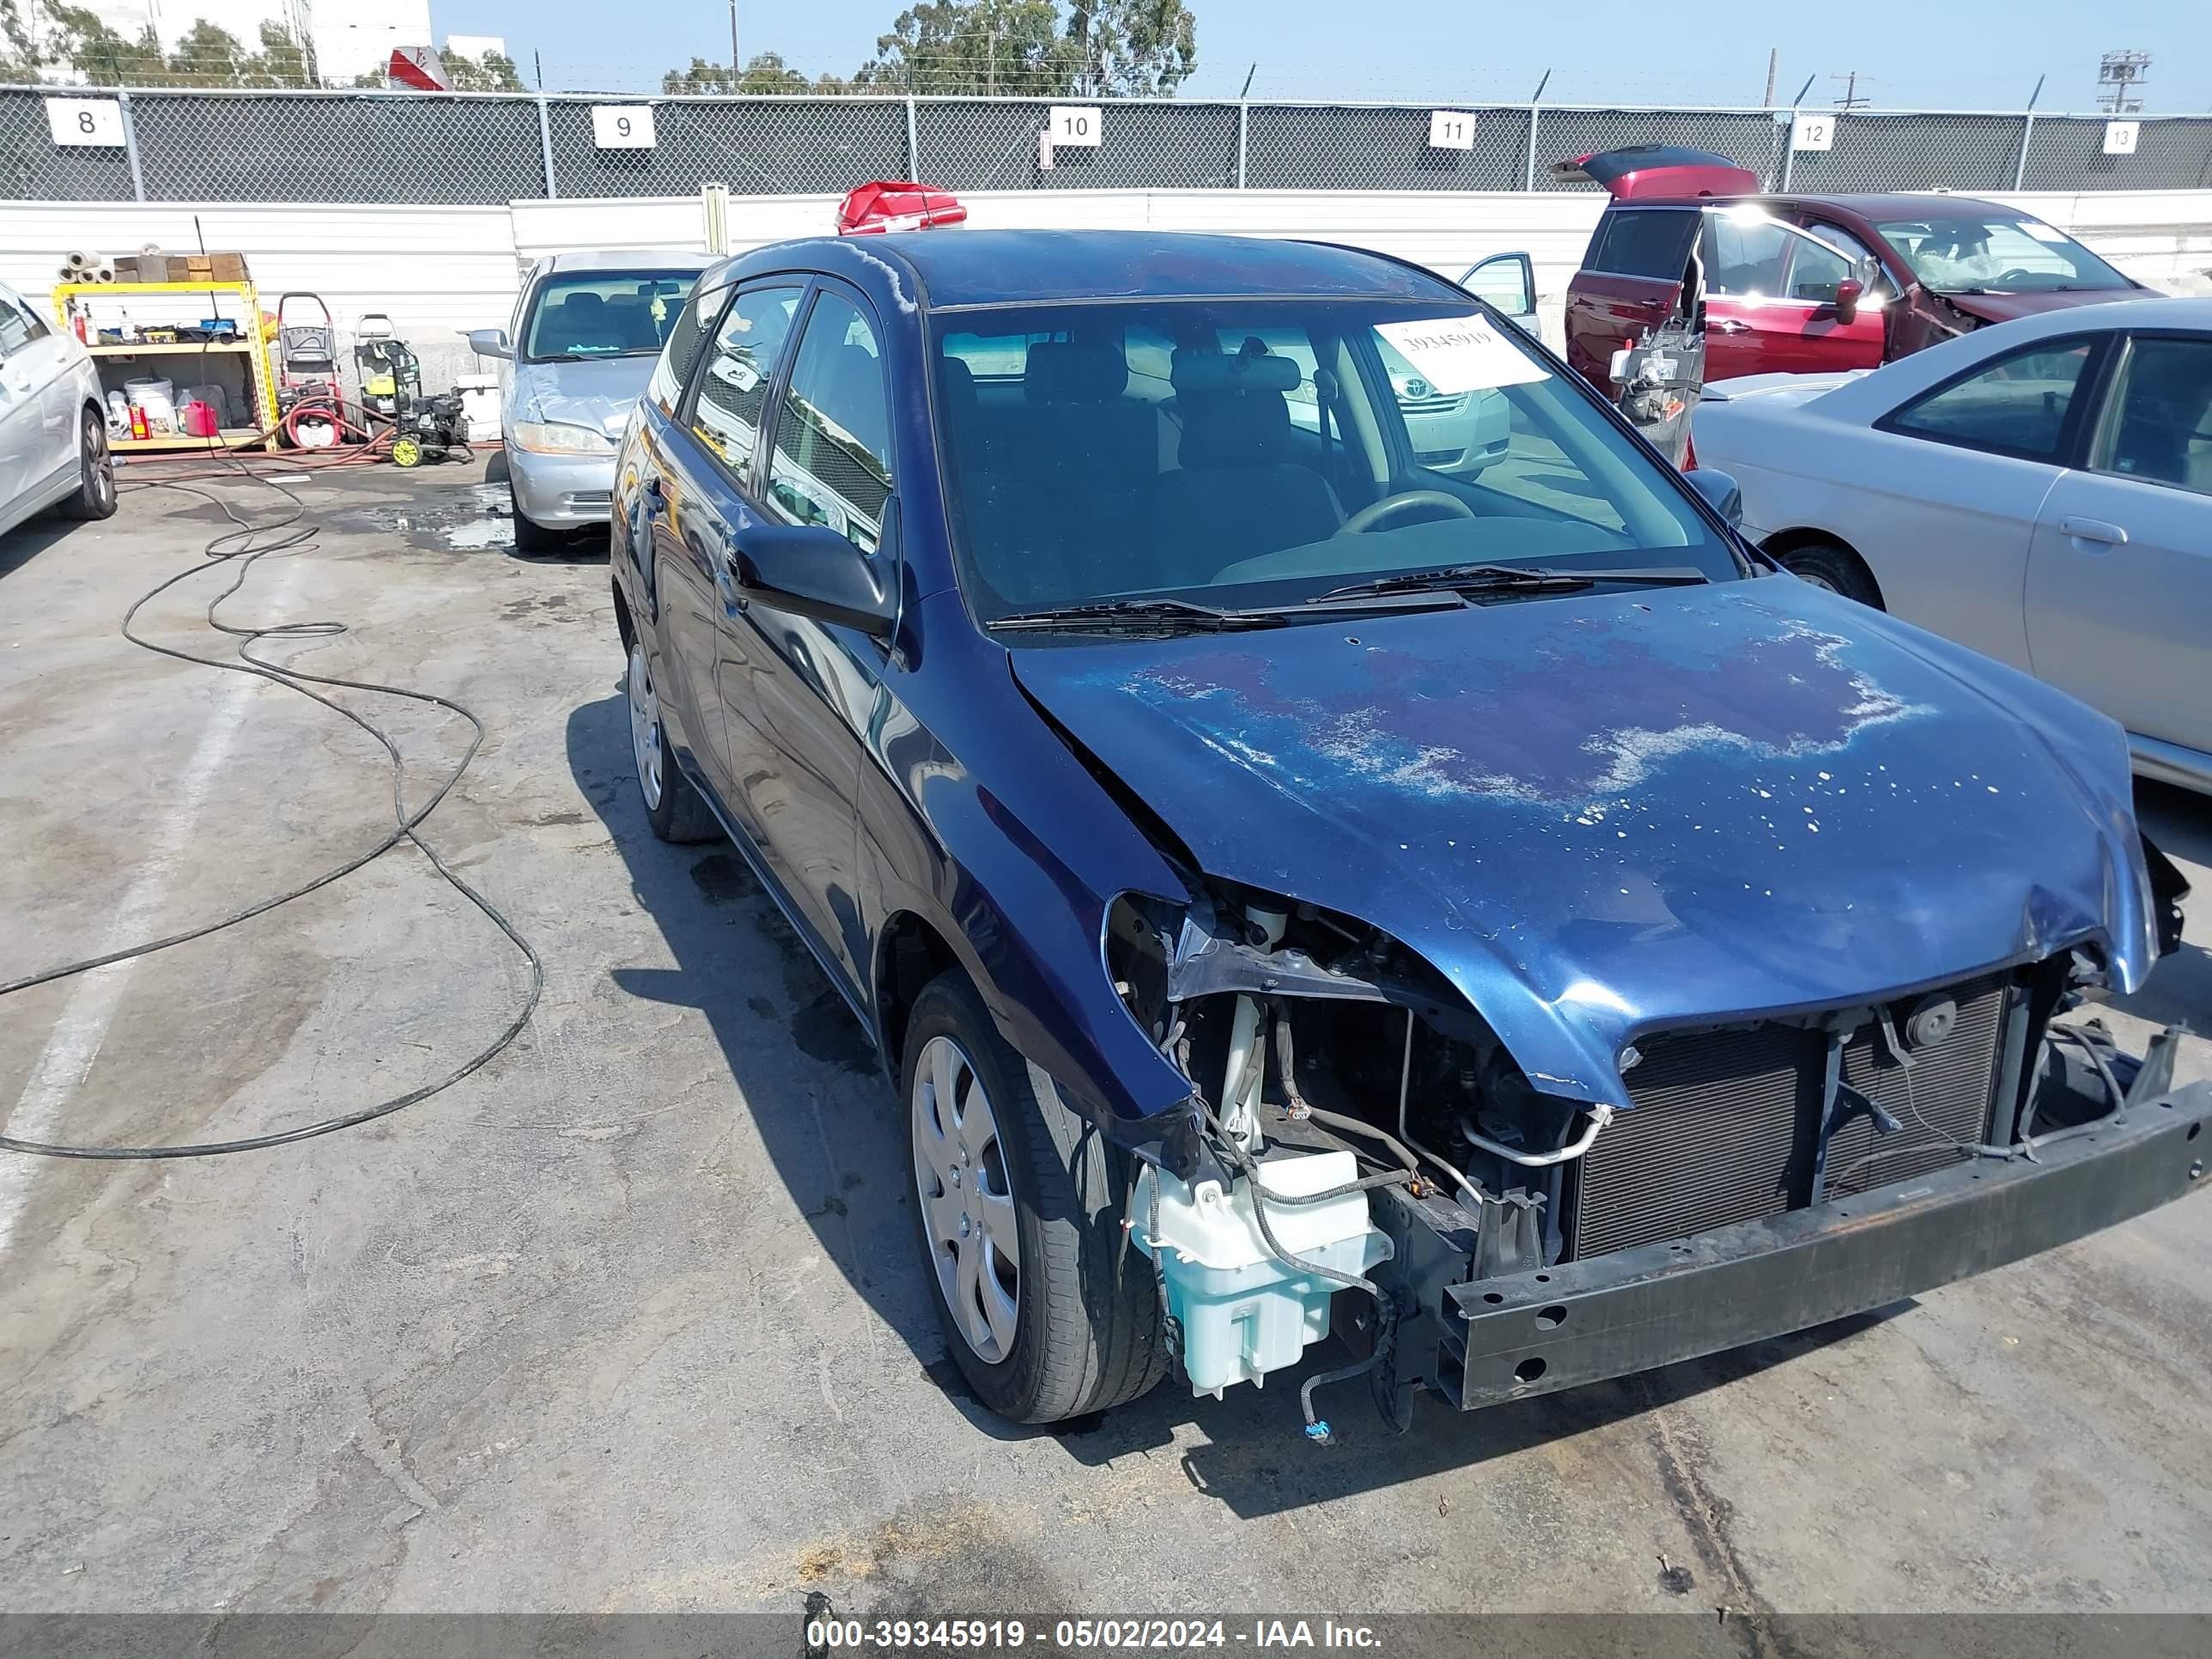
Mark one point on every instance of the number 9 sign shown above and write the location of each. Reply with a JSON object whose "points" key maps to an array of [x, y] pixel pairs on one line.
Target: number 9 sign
{"points": [[622, 126]]}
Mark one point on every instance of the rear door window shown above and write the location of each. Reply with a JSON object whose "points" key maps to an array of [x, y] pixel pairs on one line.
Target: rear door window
{"points": [[726, 411], [685, 341], [1652, 242], [2017, 406], [2158, 419]]}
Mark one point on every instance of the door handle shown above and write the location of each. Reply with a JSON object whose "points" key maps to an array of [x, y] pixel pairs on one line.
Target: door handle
{"points": [[726, 585], [1729, 325], [2094, 530]]}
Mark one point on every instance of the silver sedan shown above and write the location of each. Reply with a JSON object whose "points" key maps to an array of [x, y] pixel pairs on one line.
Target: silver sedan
{"points": [[2040, 491], [581, 348]]}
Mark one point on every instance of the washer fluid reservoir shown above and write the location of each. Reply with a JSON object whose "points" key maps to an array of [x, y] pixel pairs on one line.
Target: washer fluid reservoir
{"points": [[1242, 1312]]}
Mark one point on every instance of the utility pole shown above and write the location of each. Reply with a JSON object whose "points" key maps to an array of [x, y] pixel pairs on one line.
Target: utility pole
{"points": [[2118, 74], [1773, 62], [1850, 99], [736, 68]]}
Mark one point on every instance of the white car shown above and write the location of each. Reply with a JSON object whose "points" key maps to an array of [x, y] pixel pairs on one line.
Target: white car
{"points": [[2040, 491], [53, 425]]}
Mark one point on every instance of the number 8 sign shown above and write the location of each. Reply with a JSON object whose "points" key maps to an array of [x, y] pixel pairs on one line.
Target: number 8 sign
{"points": [[85, 121], [622, 126]]}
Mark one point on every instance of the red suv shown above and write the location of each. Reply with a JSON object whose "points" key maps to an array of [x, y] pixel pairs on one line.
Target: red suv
{"points": [[1803, 284]]}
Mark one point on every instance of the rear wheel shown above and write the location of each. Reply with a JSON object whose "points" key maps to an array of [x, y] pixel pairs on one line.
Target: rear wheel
{"points": [[95, 490], [1835, 567], [1048, 1309], [672, 806]]}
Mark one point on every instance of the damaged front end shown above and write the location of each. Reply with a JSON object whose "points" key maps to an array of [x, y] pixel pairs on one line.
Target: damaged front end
{"points": [[1757, 1174]]}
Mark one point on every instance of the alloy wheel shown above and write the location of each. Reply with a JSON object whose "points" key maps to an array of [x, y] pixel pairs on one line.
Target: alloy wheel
{"points": [[98, 465], [967, 1200], [644, 728]]}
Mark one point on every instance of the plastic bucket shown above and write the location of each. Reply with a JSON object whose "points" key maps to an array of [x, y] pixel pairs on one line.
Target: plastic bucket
{"points": [[159, 399]]}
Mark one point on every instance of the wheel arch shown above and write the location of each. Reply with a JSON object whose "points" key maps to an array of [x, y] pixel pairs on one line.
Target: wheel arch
{"points": [[1782, 543], [910, 951]]}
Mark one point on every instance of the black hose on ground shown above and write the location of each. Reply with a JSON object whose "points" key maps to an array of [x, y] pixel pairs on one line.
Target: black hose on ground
{"points": [[240, 547]]}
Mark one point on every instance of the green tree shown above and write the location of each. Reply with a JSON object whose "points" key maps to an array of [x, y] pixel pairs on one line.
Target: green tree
{"points": [[1007, 46], [493, 72], [766, 75], [1132, 48], [35, 34]]}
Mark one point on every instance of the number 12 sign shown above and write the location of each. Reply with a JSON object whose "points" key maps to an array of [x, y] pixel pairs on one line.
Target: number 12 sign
{"points": [[622, 126]]}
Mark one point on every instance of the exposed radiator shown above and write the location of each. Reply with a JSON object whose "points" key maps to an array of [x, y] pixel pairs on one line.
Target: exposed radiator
{"points": [[1725, 1124]]}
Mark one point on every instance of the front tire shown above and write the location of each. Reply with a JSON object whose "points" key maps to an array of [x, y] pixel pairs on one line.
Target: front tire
{"points": [[1048, 1309], [95, 490], [530, 535], [672, 806], [1835, 567]]}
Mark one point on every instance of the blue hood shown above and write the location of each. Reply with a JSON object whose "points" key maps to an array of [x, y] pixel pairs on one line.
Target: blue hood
{"points": [[1600, 815]]}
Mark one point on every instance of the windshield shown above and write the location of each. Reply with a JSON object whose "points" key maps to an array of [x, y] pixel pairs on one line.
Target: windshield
{"points": [[1264, 452], [605, 313], [1997, 253]]}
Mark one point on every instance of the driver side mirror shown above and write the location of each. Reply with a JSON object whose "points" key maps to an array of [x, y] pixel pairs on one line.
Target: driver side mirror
{"points": [[490, 343], [811, 570], [1849, 292], [1722, 492]]}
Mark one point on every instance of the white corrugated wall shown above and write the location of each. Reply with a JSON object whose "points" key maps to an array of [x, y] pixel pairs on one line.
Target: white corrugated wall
{"points": [[437, 271]]}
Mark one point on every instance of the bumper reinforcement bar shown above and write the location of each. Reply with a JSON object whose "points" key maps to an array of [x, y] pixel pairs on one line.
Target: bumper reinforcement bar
{"points": [[1528, 1334]]}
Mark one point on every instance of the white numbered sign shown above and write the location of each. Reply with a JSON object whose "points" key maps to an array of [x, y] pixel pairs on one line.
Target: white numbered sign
{"points": [[1812, 132], [1074, 126], [1450, 129], [85, 121], [622, 126], [2120, 137]]}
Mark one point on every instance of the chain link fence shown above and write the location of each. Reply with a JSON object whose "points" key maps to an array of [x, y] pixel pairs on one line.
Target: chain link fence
{"points": [[176, 146]]}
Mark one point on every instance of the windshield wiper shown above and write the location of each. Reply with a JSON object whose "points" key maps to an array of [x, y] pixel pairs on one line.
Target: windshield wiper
{"points": [[1505, 578], [1163, 612], [1113, 614]]}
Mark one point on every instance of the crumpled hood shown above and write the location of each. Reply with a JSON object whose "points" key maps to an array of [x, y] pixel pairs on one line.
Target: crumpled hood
{"points": [[2005, 307], [599, 394], [1599, 815]]}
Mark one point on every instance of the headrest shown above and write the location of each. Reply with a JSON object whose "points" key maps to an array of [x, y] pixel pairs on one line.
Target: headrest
{"points": [[959, 381], [581, 302], [1062, 372], [1210, 371]]}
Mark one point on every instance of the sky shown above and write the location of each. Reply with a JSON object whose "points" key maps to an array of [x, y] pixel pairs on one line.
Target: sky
{"points": [[1977, 55]]}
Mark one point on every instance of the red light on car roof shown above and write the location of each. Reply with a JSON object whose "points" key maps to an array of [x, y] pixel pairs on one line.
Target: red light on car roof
{"points": [[889, 204]]}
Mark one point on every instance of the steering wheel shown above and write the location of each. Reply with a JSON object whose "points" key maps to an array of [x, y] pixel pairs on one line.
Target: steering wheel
{"points": [[2017, 270], [1390, 506]]}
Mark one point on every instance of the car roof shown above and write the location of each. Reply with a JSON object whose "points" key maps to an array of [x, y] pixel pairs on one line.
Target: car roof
{"points": [[963, 267], [631, 259]]}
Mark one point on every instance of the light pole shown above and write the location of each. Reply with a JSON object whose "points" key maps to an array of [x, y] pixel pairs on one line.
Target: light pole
{"points": [[736, 69]]}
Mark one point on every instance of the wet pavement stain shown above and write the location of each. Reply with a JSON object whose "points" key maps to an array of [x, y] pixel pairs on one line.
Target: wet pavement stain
{"points": [[825, 1030], [466, 518], [723, 879]]}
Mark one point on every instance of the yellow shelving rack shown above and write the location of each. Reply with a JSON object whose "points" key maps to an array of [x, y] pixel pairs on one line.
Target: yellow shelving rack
{"points": [[261, 380]]}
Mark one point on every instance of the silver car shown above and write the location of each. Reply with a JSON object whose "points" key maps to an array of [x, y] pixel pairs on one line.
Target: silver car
{"points": [[2040, 491], [585, 336], [53, 425]]}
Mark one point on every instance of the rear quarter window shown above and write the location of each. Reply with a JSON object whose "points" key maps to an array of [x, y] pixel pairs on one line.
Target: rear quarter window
{"points": [[1652, 242]]}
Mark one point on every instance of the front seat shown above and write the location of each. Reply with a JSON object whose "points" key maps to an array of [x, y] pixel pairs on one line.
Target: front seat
{"points": [[1238, 493]]}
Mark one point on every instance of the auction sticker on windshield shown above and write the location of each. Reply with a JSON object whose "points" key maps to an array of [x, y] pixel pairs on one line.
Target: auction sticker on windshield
{"points": [[1462, 354]]}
